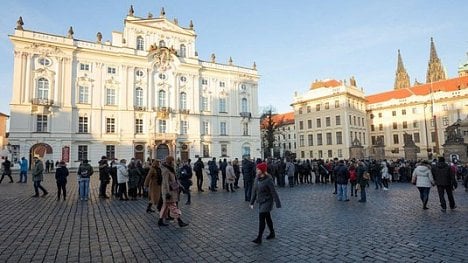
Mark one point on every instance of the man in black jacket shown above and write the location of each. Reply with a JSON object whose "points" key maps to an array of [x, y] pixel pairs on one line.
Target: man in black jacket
{"points": [[198, 167], [104, 177], [248, 173], [341, 178], [445, 180]]}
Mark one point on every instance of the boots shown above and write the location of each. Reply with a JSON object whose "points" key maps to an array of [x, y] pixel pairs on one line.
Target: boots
{"points": [[161, 222], [271, 235], [181, 223], [148, 209], [258, 240]]}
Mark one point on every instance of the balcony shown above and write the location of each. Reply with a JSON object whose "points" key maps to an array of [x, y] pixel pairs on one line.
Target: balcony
{"points": [[139, 108], [163, 112], [42, 102], [184, 111]]}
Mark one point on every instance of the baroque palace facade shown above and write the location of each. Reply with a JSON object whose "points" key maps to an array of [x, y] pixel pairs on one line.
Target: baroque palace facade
{"points": [[145, 94]]}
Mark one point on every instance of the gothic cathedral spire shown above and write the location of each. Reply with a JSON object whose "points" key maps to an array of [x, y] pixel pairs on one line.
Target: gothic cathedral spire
{"points": [[435, 71], [402, 80]]}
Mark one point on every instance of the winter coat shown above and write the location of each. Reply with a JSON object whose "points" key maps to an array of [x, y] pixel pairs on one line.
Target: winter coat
{"points": [[186, 176], [153, 182], [248, 170], [264, 193], [122, 174], [85, 170], [169, 194], [133, 177], [230, 174], [290, 169], [384, 172], [341, 173], [38, 171], [24, 165], [61, 174], [104, 171], [443, 174], [360, 170], [423, 176]]}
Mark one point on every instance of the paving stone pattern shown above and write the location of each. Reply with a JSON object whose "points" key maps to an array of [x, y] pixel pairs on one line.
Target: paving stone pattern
{"points": [[312, 226]]}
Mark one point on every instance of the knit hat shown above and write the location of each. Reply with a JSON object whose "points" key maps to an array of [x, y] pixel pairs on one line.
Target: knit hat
{"points": [[262, 167]]}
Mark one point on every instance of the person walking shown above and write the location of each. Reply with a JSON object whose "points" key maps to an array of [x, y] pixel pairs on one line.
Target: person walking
{"points": [[265, 194], [84, 172], [122, 179], [422, 178], [170, 193], [37, 177], [185, 178], [23, 170], [290, 171], [61, 174], [153, 182], [445, 180], [6, 167], [113, 174], [104, 177]]}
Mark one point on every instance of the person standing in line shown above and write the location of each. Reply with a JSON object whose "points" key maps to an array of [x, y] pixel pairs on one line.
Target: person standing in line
{"points": [[133, 177], [375, 173], [445, 180], [23, 170], [265, 194], [198, 167], [222, 167], [170, 193], [248, 173], [122, 179], [84, 172], [113, 174], [185, 177], [230, 177], [341, 175], [61, 174], [422, 178], [6, 167], [213, 174], [153, 182], [237, 172], [290, 171], [363, 177], [37, 177], [104, 177]]}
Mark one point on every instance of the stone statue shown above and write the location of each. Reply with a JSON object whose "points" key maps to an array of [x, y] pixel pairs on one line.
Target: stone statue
{"points": [[213, 58], [379, 141], [453, 134], [408, 139], [70, 32], [99, 37], [352, 81], [19, 24]]}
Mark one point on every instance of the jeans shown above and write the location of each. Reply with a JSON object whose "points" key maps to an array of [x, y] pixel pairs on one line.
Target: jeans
{"points": [[213, 182], [378, 181], [23, 174], [248, 184], [37, 186], [342, 192], [363, 194], [84, 188], [424, 194], [442, 189]]}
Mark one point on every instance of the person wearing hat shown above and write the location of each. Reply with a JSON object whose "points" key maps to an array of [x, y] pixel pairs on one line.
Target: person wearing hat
{"points": [[61, 174], [265, 194], [37, 176]]}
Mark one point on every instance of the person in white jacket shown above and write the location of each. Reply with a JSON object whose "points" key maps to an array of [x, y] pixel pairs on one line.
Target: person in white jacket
{"points": [[122, 179], [230, 177], [422, 178]]}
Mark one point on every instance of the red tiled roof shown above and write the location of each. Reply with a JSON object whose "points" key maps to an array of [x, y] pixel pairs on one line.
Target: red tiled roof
{"points": [[280, 119], [420, 90], [325, 84]]}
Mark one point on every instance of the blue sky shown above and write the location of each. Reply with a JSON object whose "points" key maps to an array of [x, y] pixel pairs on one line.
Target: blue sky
{"points": [[292, 42]]}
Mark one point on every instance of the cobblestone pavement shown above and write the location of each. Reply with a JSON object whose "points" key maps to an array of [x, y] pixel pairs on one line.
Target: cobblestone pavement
{"points": [[312, 226]]}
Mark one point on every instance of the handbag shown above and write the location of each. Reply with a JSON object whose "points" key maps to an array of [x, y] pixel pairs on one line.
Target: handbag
{"points": [[174, 186]]}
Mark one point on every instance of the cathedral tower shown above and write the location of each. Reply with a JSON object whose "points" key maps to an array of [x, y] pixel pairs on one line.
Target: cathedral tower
{"points": [[435, 71], [401, 76]]}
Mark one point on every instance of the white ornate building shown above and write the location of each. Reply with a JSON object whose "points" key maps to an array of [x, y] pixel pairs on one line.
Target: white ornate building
{"points": [[145, 94]]}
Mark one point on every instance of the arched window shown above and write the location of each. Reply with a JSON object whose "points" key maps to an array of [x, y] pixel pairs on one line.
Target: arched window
{"points": [[183, 101], [183, 51], [162, 98], [139, 97], [162, 43], [244, 105], [140, 43], [42, 88]]}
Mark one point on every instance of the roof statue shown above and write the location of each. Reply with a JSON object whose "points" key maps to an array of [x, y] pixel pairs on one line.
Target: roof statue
{"points": [[176, 21], [191, 25], [352, 81], [402, 80], [70, 32], [435, 70], [230, 61], [254, 66], [213, 58], [131, 12], [150, 15], [99, 37], [163, 13], [19, 23]]}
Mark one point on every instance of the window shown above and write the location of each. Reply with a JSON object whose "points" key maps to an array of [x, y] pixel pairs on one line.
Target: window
{"points": [[381, 127], [310, 139], [327, 122], [110, 125], [415, 110], [338, 120], [329, 138], [337, 103], [372, 116], [395, 126], [380, 114], [243, 87], [110, 96], [82, 152], [206, 150], [301, 141], [183, 127], [319, 123], [162, 43], [339, 138], [111, 70], [445, 121], [222, 128], [139, 97], [354, 120], [224, 150], [42, 89], [317, 107], [162, 126], [183, 101], [83, 94], [433, 137], [300, 110], [415, 124], [204, 82], [222, 84], [340, 153], [302, 154], [162, 98], [396, 139], [394, 113], [205, 128], [140, 43], [84, 66], [319, 139], [309, 109], [83, 124], [139, 73], [44, 62], [403, 112], [244, 105], [373, 140], [204, 104], [445, 107], [301, 125], [416, 137], [110, 152], [41, 123], [405, 125], [222, 105], [320, 154], [183, 79], [138, 126], [372, 127], [245, 129], [327, 105], [309, 124], [330, 153], [183, 51], [162, 76]]}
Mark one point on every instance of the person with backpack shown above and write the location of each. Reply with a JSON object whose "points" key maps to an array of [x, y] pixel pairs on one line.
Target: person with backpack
{"points": [[84, 172], [153, 184], [198, 167]]}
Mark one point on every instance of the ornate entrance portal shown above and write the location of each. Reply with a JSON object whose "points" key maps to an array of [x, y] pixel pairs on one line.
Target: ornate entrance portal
{"points": [[162, 151]]}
